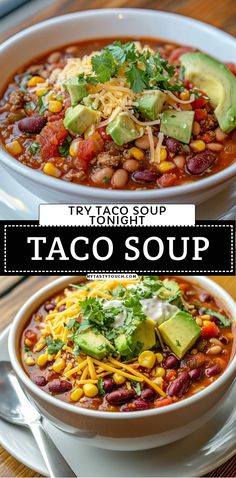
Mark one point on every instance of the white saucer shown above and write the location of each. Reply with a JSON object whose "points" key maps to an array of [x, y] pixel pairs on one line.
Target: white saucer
{"points": [[17, 203], [197, 455]]}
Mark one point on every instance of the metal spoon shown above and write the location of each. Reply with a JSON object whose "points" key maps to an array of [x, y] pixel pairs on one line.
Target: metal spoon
{"points": [[16, 408]]}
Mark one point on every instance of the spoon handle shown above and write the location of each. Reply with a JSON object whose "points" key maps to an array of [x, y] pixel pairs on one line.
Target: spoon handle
{"points": [[56, 464]]}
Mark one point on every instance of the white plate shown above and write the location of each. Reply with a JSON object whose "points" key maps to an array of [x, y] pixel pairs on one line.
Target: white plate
{"points": [[17, 203], [197, 455]]}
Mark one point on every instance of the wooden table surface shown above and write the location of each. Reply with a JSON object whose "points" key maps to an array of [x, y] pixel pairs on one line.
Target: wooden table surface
{"points": [[13, 292]]}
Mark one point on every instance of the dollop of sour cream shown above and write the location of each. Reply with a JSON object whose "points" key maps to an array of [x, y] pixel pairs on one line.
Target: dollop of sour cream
{"points": [[158, 310]]}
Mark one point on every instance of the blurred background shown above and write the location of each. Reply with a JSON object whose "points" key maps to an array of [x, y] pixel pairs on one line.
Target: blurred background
{"points": [[18, 14]]}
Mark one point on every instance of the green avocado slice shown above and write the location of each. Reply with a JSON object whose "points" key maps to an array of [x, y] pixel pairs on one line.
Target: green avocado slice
{"points": [[217, 81]]}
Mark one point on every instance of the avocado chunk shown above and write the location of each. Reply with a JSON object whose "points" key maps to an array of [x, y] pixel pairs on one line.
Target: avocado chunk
{"points": [[93, 343], [177, 124], [76, 90], [149, 106], [142, 338], [216, 81], [180, 332], [122, 129], [79, 118]]}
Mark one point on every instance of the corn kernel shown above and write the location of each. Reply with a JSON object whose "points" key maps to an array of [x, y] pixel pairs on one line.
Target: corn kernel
{"points": [[74, 148], [76, 394], [51, 170], [14, 147], [160, 372], [118, 379], [163, 154], [30, 361], [159, 357], [39, 345], [184, 95], [166, 166], [55, 106], [147, 359], [28, 342], [206, 322], [198, 145], [159, 381], [136, 153], [59, 365], [35, 80], [42, 360], [41, 91], [205, 317], [90, 390]]}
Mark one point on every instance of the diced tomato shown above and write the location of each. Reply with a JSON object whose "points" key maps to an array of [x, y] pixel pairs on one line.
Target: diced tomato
{"points": [[184, 287], [56, 117], [199, 103], [232, 67], [167, 180], [210, 330], [177, 52], [104, 135], [200, 114], [88, 149], [162, 402], [208, 137], [51, 136], [188, 85], [170, 375], [31, 335]]}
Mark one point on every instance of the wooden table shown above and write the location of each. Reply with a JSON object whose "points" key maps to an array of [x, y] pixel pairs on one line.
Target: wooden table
{"points": [[13, 292]]}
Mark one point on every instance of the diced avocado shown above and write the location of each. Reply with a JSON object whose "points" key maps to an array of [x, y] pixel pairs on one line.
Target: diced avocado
{"points": [[177, 124], [79, 118], [76, 90], [122, 129], [93, 343], [87, 101], [180, 332], [217, 82], [151, 105], [142, 338]]}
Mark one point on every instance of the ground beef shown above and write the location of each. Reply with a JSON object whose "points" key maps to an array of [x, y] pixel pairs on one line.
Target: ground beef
{"points": [[209, 123], [107, 159], [16, 100]]}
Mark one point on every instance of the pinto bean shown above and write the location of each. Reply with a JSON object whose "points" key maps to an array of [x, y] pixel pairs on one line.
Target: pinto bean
{"points": [[199, 163], [173, 145], [179, 386], [119, 179], [214, 370], [54, 57], [99, 175], [120, 396], [32, 124], [131, 165], [108, 384], [179, 160], [40, 381], [143, 142], [59, 386], [194, 361], [145, 176], [171, 362]]}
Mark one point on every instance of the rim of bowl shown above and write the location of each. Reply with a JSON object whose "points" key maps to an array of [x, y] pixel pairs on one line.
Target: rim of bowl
{"points": [[65, 187], [44, 291]]}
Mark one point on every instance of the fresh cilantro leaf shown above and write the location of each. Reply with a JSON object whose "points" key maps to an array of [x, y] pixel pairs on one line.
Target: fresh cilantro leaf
{"points": [[222, 318], [41, 105], [104, 66], [27, 349], [76, 350], [119, 292], [30, 105], [64, 148], [106, 180], [135, 78], [137, 387], [34, 148], [73, 322], [79, 286], [117, 50], [100, 386], [54, 345], [24, 82]]}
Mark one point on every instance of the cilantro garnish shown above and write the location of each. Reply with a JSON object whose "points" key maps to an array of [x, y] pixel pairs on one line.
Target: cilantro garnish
{"points": [[54, 345], [137, 387], [41, 105], [30, 105], [34, 148], [104, 66], [100, 386], [222, 318], [106, 180], [64, 147]]}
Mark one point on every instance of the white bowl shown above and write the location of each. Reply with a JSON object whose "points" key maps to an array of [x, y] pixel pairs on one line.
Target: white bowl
{"points": [[36, 40], [130, 430]]}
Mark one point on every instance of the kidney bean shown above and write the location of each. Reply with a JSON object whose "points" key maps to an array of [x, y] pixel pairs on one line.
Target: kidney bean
{"points": [[61, 308], [108, 384], [214, 370], [49, 307], [59, 386], [223, 340], [171, 362], [145, 176], [139, 404], [52, 375], [194, 361], [31, 335], [148, 394], [204, 297], [120, 396], [167, 180], [200, 162], [195, 374], [179, 386], [173, 145], [40, 381], [32, 124]]}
